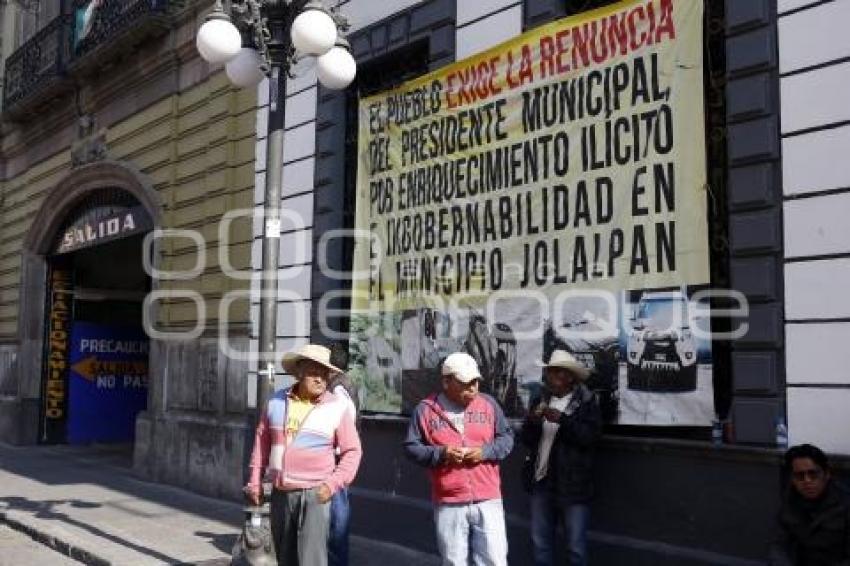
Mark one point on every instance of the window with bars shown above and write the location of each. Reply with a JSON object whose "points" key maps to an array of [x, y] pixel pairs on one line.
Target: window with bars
{"points": [[34, 16], [380, 74]]}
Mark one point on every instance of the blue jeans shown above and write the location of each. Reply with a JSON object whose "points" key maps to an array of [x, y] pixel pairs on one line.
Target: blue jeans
{"points": [[338, 534], [472, 533], [546, 513]]}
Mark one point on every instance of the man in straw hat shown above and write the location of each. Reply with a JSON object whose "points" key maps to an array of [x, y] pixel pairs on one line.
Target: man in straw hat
{"points": [[295, 444], [561, 431], [461, 435]]}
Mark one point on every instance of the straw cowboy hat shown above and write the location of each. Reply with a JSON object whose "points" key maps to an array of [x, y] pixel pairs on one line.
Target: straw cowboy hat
{"points": [[312, 352], [563, 359]]}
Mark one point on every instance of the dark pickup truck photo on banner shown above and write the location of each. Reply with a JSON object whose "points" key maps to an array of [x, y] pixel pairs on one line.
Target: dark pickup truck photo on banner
{"points": [[547, 193], [108, 384]]}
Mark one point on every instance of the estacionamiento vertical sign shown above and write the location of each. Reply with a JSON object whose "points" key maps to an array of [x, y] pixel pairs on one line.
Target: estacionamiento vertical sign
{"points": [[55, 384], [547, 193]]}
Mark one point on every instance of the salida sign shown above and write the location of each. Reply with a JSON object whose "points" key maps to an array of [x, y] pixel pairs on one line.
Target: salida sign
{"points": [[90, 232]]}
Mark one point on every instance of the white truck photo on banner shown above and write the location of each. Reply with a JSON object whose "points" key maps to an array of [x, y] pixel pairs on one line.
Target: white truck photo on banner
{"points": [[547, 193]]}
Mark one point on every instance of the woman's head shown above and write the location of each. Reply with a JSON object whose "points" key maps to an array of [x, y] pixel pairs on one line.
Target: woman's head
{"points": [[808, 468]]}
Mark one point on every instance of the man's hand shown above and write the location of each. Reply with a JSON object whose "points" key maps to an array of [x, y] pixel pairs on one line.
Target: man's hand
{"points": [[253, 495], [473, 456], [552, 415], [536, 413], [323, 493], [454, 455]]}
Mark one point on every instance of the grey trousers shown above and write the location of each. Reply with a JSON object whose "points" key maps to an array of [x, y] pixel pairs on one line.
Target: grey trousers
{"points": [[300, 527]]}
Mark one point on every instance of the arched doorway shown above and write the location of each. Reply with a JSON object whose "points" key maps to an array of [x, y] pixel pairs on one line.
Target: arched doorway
{"points": [[86, 285]]}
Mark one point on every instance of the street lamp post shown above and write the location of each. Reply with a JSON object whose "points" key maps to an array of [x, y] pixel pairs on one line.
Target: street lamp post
{"points": [[268, 36]]}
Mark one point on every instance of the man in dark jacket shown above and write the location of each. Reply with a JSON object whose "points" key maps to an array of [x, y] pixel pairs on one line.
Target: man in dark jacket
{"points": [[340, 515], [814, 520], [561, 432]]}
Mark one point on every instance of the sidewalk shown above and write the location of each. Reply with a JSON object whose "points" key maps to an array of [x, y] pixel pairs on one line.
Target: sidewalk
{"points": [[87, 504], [17, 548]]}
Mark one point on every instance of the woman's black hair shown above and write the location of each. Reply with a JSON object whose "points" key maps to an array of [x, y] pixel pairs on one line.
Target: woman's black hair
{"points": [[809, 451]]}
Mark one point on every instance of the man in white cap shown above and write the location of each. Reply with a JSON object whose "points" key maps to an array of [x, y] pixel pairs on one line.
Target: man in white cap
{"points": [[561, 432], [307, 444], [461, 435]]}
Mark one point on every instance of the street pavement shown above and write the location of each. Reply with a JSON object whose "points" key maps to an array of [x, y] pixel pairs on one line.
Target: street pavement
{"points": [[87, 504]]}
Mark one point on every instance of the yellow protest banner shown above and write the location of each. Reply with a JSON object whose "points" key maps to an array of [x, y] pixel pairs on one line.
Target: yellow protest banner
{"points": [[502, 195]]}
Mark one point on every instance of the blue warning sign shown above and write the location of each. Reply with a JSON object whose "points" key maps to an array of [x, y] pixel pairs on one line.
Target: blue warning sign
{"points": [[108, 382]]}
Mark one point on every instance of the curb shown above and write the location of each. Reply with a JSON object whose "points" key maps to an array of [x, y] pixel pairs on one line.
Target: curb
{"points": [[60, 545], [78, 553], [71, 550]]}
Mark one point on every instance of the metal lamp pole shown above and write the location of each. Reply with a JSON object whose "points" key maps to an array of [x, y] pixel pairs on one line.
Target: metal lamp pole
{"points": [[279, 49], [269, 23], [254, 38], [266, 26]]}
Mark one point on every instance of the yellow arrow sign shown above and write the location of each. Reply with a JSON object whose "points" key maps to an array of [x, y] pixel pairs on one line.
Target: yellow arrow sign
{"points": [[90, 368]]}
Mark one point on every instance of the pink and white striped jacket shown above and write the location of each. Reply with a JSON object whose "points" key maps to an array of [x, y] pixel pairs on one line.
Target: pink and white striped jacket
{"points": [[309, 460]]}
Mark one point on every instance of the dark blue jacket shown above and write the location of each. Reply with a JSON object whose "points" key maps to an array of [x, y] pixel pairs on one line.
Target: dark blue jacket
{"points": [[570, 471]]}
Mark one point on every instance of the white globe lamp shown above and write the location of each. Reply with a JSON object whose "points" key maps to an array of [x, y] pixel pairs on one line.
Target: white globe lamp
{"points": [[245, 69], [336, 68], [218, 40], [313, 31]]}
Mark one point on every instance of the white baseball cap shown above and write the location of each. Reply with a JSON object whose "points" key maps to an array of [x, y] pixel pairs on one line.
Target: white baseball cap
{"points": [[462, 366]]}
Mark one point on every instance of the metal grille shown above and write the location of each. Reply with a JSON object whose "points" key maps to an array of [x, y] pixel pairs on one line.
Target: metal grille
{"points": [[99, 21], [35, 63]]}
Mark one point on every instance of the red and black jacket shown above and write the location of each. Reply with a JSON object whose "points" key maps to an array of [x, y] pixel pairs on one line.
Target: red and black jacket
{"points": [[485, 427]]}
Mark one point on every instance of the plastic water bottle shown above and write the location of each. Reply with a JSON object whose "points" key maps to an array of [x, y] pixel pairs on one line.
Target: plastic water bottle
{"points": [[716, 432], [256, 519], [781, 433]]}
